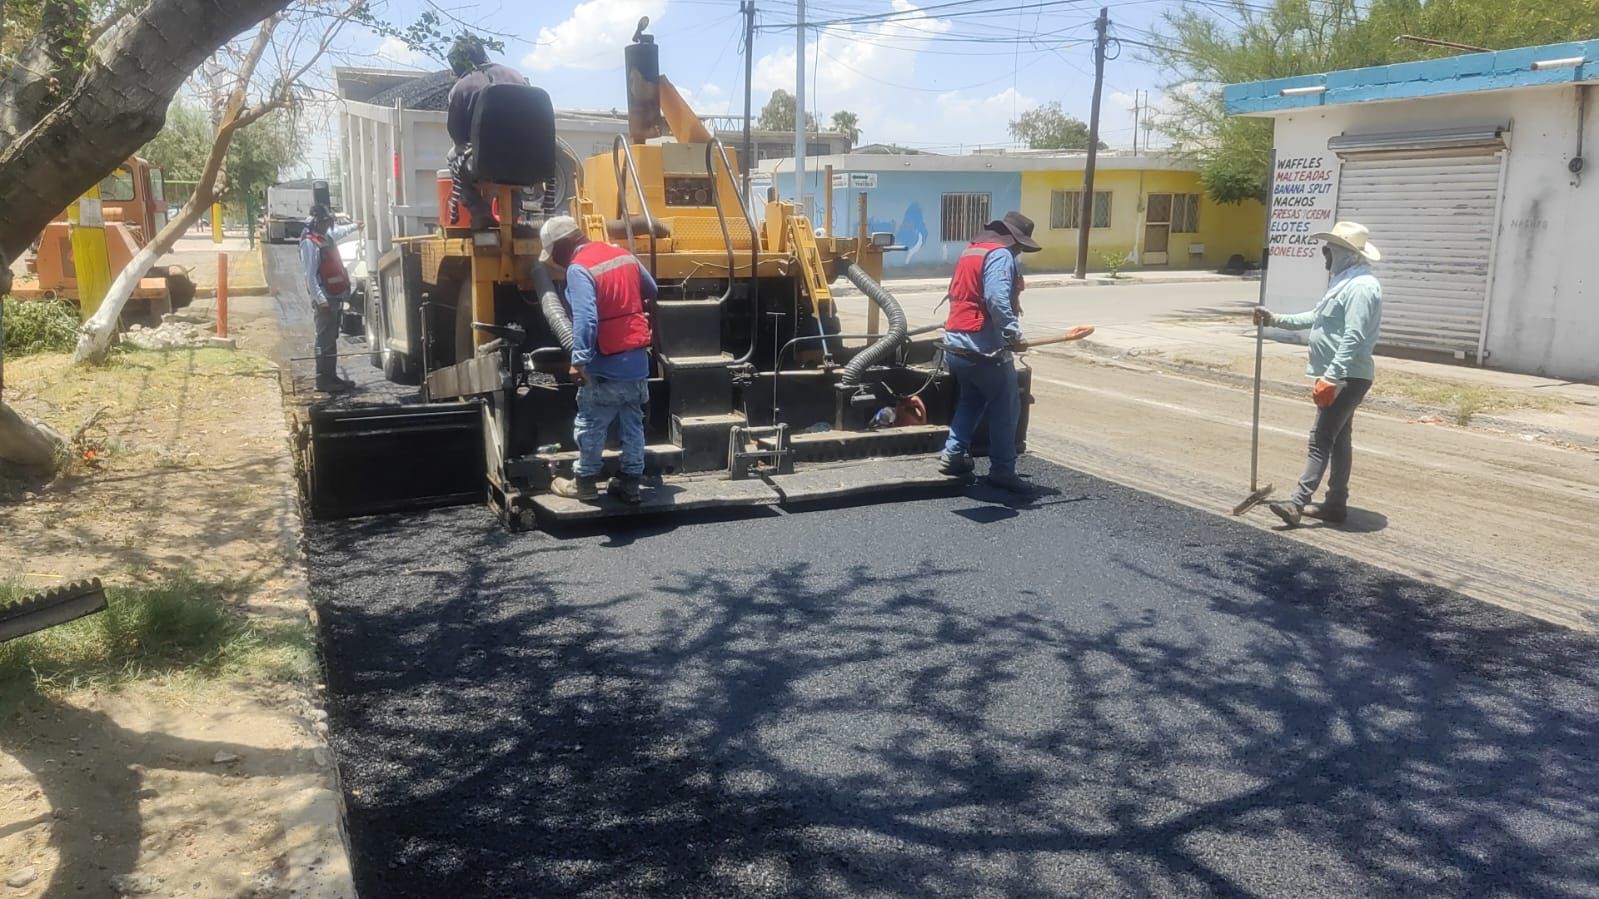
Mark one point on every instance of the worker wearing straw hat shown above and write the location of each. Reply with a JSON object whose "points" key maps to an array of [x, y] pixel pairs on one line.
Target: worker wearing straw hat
{"points": [[1343, 332]]}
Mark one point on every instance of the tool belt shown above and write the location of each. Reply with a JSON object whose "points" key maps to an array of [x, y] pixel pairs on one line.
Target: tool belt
{"points": [[998, 355]]}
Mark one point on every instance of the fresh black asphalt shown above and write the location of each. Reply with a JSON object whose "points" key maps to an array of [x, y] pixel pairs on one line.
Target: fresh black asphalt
{"points": [[1098, 694]]}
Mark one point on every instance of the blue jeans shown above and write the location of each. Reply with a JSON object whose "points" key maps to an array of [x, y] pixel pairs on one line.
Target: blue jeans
{"points": [[600, 402], [985, 385]]}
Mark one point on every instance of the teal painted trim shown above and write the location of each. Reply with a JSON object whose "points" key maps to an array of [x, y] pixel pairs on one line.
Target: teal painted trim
{"points": [[1502, 70]]}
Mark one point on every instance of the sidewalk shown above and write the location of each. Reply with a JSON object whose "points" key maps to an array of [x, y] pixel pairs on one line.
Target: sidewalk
{"points": [[1221, 347], [198, 254], [1039, 280]]}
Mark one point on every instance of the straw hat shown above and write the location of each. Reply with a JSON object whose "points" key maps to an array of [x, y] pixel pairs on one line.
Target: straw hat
{"points": [[1351, 236]]}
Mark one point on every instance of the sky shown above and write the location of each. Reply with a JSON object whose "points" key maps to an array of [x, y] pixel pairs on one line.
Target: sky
{"points": [[940, 75]]}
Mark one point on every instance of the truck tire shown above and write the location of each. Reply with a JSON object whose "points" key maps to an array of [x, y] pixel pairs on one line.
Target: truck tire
{"points": [[374, 338], [397, 367]]}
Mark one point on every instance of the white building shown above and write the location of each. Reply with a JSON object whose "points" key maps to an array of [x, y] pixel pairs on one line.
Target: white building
{"points": [[1469, 172]]}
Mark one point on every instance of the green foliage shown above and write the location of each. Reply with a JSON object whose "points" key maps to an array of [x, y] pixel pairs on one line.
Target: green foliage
{"points": [[848, 123], [257, 155], [778, 113], [1203, 49], [427, 34], [1114, 263], [180, 628], [43, 326], [1048, 128]]}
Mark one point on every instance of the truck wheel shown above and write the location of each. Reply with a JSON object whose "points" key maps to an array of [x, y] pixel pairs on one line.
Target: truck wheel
{"points": [[397, 367], [180, 290]]}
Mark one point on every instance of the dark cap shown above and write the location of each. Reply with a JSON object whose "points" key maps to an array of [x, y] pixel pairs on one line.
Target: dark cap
{"points": [[1014, 229], [320, 213]]}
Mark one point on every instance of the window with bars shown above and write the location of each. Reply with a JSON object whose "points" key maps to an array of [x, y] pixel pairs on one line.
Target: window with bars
{"points": [[964, 215], [1185, 214], [1066, 209]]}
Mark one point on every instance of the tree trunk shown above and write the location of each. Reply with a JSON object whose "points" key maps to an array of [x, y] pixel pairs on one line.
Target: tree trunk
{"points": [[118, 105], [94, 338], [25, 443]]}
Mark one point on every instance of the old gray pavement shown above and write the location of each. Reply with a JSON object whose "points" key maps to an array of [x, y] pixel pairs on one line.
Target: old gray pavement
{"points": [[1492, 515]]}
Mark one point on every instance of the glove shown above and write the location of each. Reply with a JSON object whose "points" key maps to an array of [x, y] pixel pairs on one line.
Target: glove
{"points": [[1325, 392], [1262, 315]]}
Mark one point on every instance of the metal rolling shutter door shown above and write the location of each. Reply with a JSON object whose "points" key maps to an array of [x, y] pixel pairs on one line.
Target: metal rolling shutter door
{"points": [[1433, 216]]}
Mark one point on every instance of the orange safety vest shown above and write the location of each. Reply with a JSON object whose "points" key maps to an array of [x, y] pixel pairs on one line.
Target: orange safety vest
{"points": [[967, 311], [330, 266], [619, 304]]}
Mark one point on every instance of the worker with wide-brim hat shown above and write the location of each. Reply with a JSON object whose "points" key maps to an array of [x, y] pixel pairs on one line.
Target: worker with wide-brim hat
{"points": [[982, 330], [1343, 335]]}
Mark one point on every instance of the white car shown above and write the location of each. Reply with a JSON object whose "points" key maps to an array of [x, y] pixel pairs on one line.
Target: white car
{"points": [[352, 249]]}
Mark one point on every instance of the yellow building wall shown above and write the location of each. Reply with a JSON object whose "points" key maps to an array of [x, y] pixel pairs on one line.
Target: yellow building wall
{"points": [[1224, 229]]}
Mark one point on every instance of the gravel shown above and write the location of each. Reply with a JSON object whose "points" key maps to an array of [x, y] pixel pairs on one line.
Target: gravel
{"points": [[1098, 693]]}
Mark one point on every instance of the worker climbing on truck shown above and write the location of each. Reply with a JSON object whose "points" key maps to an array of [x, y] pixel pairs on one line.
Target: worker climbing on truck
{"points": [[473, 71], [329, 286], [979, 335], [606, 288]]}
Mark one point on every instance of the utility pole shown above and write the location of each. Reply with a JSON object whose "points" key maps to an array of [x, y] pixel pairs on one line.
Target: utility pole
{"points": [[1086, 219], [1136, 99], [799, 107], [748, 157]]}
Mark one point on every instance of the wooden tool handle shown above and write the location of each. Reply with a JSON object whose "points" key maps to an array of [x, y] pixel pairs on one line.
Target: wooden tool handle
{"points": [[1077, 333]]}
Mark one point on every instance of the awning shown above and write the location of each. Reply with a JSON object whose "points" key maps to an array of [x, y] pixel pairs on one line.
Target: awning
{"points": [[1478, 136]]}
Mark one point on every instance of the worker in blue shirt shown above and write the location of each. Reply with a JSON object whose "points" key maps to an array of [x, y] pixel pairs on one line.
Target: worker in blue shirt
{"points": [[607, 289], [328, 284], [981, 331], [1343, 334]]}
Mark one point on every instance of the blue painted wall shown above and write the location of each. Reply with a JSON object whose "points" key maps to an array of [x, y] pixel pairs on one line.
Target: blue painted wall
{"points": [[909, 204]]}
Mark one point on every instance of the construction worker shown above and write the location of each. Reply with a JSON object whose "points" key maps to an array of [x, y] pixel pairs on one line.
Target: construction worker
{"points": [[606, 288], [1343, 333], [329, 286], [979, 335], [473, 73]]}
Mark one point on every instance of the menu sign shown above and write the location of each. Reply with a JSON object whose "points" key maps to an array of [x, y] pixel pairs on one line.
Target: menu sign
{"points": [[1303, 202]]}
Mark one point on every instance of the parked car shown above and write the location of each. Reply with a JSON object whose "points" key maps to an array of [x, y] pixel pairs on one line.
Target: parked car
{"points": [[352, 249]]}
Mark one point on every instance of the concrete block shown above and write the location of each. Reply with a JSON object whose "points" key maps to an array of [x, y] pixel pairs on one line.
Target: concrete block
{"points": [[221, 343]]}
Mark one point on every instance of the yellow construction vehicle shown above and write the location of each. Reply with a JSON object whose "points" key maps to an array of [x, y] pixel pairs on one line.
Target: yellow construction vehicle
{"points": [[756, 397]]}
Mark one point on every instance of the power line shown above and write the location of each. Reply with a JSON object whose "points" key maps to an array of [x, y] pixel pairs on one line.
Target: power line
{"points": [[921, 13]]}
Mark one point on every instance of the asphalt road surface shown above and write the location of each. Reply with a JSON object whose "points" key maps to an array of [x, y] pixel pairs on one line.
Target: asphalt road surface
{"points": [[1098, 694]]}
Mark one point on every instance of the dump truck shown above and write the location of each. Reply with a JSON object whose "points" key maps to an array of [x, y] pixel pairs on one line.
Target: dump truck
{"points": [[133, 204], [288, 205], [756, 396]]}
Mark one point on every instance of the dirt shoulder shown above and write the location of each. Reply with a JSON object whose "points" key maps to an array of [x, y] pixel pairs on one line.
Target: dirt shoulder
{"points": [[172, 744]]}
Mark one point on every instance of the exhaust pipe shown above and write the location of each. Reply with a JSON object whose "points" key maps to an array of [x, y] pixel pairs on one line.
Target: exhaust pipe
{"points": [[898, 327]]}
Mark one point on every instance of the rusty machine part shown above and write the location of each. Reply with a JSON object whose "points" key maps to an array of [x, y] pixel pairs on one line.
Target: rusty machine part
{"points": [[50, 608]]}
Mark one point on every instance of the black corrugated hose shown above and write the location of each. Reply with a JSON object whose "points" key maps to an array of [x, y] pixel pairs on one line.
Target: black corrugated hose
{"points": [[898, 327], [554, 309]]}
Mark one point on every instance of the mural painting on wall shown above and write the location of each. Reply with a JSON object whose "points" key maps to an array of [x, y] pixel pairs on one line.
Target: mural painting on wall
{"points": [[1303, 202], [910, 232]]}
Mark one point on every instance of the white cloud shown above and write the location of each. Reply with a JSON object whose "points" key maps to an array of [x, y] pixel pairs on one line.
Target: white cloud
{"points": [[708, 99], [395, 52], [593, 36], [850, 65]]}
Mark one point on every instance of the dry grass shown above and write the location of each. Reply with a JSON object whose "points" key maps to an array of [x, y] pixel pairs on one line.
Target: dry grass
{"points": [[182, 633], [1458, 401]]}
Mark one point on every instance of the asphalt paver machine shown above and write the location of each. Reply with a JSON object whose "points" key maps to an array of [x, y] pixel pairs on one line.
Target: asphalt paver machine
{"points": [[757, 397]]}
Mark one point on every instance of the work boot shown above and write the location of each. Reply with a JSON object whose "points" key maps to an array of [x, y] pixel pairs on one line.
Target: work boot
{"points": [[626, 488], [1008, 480], [1289, 512], [579, 488], [1326, 512], [333, 385], [955, 466]]}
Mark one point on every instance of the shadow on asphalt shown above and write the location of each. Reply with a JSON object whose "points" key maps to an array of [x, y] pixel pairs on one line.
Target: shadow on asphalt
{"points": [[1122, 697]]}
